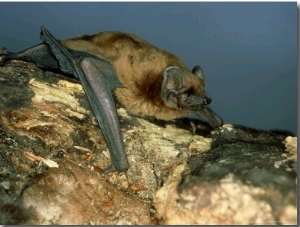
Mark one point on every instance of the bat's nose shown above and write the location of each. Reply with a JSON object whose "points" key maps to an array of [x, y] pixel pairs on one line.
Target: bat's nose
{"points": [[206, 101]]}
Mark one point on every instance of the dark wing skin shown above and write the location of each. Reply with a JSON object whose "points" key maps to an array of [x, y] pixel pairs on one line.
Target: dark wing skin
{"points": [[98, 78], [39, 54], [208, 115]]}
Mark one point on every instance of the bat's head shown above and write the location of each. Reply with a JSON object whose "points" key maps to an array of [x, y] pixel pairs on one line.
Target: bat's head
{"points": [[184, 90]]}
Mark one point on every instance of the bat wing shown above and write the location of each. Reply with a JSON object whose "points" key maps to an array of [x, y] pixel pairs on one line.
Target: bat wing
{"points": [[210, 117], [98, 78]]}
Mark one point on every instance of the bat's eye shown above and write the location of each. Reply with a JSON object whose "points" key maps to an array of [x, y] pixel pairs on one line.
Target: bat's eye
{"points": [[183, 96]]}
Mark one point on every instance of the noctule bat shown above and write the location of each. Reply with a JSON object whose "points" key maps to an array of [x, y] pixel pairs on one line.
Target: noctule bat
{"points": [[146, 80]]}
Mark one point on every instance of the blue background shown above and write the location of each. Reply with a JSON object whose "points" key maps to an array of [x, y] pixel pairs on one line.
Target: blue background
{"points": [[248, 51]]}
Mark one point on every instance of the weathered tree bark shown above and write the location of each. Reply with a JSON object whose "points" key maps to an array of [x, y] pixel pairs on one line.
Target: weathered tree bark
{"points": [[52, 154]]}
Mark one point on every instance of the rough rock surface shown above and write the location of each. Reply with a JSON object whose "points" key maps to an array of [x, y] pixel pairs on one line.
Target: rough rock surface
{"points": [[52, 155]]}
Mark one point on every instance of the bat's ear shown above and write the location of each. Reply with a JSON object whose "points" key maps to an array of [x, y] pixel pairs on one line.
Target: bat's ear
{"points": [[172, 85], [197, 71]]}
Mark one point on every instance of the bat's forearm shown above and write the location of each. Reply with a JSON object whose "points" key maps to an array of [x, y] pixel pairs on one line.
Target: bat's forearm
{"points": [[101, 99], [95, 75]]}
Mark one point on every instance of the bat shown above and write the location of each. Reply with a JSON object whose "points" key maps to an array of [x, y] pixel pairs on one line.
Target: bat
{"points": [[146, 80]]}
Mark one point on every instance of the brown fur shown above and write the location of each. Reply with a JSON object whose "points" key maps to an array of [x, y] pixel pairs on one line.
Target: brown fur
{"points": [[139, 66]]}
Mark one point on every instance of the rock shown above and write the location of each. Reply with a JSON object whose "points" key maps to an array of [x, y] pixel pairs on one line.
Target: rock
{"points": [[75, 195], [247, 177], [52, 156]]}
